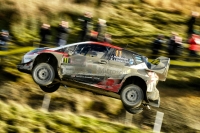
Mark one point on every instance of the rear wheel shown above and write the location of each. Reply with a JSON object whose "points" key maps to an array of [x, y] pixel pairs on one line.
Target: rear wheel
{"points": [[50, 88], [132, 96], [43, 74]]}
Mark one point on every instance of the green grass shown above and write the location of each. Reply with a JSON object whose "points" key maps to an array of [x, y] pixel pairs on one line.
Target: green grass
{"points": [[22, 119], [17, 51]]}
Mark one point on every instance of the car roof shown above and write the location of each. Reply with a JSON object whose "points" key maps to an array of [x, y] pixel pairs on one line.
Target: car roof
{"points": [[88, 42], [108, 45]]}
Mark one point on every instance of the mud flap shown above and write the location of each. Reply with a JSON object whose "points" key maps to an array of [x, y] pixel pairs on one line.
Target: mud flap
{"points": [[155, 103]]}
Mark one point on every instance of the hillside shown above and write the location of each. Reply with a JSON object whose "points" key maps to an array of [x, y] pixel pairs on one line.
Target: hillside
{"points": [[125, 18], [131, 23], [17, 118]]}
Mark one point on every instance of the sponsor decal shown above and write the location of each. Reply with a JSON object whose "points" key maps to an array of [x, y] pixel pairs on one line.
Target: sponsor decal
{"points": [[122, 60], [86, 77]]}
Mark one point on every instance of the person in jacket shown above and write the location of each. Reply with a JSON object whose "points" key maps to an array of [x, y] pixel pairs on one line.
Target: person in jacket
{"points": [[101, 29], [191, 22], [108, 38], [174, 45], [4, 38], [62, 33], [44, 33], [93, 36], [157, 45], [194, 43], [85, 28]]}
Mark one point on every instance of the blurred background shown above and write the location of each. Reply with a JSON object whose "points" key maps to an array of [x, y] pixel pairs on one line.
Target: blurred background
{"points": [[132, 24]]}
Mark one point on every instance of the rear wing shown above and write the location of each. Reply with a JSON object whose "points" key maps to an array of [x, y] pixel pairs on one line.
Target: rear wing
{"points": [[160, 66]]}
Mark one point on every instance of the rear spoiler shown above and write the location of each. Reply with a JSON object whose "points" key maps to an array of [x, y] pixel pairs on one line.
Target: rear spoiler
{"points": [[160, 66]]}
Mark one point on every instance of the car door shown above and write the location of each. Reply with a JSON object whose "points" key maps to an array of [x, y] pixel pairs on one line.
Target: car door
{"points": [[96, 64], [119, 66], [116, 70], [85, 64], [73, 65]]}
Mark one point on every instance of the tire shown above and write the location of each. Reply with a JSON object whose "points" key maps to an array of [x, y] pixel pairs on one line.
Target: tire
{"points": [[136, 110], [132, 96], [43, 74], [50, 88]]}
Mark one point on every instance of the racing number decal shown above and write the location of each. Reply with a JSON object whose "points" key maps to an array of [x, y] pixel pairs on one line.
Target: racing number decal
{"points": [[118, 53], [66, 60]]}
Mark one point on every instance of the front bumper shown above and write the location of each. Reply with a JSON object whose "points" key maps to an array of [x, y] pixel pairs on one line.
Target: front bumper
{"points": [[25, 67]]}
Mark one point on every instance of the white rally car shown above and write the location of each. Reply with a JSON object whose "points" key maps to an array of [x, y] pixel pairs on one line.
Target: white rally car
{"points": [[101, 68]]}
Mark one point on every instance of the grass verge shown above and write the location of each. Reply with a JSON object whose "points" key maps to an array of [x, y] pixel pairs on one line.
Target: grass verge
{"points": [[22, 119]]}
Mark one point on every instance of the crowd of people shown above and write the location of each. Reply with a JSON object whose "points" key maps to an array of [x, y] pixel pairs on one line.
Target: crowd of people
{"points": [[99, 33], [87, 33], [175, 42]]}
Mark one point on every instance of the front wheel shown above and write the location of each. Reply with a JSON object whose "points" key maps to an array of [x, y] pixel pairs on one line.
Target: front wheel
{"points": [[43, 74], [50, 88], [132, 96]]}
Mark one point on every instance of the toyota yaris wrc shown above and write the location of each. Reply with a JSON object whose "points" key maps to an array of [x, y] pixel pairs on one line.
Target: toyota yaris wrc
{"points": [[100, 68]]}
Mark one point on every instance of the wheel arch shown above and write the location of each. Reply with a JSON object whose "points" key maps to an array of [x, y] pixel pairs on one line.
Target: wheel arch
{"points": [[137, 81], [47, 58]]}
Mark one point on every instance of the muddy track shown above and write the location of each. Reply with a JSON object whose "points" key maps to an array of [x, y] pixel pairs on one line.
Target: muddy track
{"points": [[180, 107]]}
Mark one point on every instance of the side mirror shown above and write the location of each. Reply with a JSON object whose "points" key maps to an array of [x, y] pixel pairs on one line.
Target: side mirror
{"points": [[70, 53]]}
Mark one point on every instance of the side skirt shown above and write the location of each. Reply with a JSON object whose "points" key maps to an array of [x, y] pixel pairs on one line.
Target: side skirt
{"points": [[78, 85]]}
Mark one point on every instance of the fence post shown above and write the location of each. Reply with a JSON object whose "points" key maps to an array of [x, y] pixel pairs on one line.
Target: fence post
{"points": [[46, 102], [128, 118], [158, 122]]}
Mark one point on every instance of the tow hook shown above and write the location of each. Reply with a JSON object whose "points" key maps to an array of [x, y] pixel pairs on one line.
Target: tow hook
{"points": [[147, 106]]}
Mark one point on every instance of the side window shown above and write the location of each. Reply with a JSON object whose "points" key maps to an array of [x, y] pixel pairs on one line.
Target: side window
{"points": [[70, 49], [109, 54], [97, 51], [82, 49]]}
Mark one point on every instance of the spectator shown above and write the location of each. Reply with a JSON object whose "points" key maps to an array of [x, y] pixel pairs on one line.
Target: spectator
{"points": [[157, 45], [191, 22], [108, 38], [45, 33], [101, 29], [174, 45], [4, 38], [86, 21], [63, 33], [93, 36], [178, 45], [194, 42]]}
